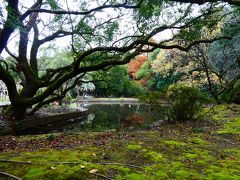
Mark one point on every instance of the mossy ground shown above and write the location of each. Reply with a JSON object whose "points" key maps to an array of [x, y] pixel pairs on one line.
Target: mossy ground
{"points": [[208, 149]]}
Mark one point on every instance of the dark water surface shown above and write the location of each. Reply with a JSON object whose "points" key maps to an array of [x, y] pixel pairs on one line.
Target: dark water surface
{"points": [[104, 117]]}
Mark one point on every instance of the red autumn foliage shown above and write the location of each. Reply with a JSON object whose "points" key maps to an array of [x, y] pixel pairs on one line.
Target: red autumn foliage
{"points": [[133, 118], [135, 64]]}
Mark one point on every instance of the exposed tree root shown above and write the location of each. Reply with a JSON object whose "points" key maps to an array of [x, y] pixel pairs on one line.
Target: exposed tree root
{"points": [[10, 175]]}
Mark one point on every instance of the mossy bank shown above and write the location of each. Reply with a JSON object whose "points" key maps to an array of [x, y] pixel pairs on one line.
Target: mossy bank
{"points": [[208, 149]]}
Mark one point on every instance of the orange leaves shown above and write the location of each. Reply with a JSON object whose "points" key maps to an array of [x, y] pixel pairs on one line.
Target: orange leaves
{"points": [[135, 117], [135, 64]]}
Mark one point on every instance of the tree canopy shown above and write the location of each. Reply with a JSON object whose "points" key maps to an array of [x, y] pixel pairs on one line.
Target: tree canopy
{"points": [[101, 34]]}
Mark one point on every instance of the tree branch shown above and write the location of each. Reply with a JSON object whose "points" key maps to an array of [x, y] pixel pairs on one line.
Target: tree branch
{"points": [[10, 83], [57, 97], [99, 8], [183, 48], [9, 25], [232, 2], [10, 175]]}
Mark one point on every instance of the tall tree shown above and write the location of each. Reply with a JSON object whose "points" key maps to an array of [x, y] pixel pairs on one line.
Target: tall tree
{"points": [[103, 34]]}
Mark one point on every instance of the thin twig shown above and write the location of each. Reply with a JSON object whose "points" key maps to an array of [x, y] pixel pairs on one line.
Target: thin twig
{"points": [[10, 175], [76, 162], [223, 139], [21, 162], [122, 164]]}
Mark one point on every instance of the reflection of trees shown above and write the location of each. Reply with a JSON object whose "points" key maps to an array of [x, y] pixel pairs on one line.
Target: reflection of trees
{"points": [[117, 115]]}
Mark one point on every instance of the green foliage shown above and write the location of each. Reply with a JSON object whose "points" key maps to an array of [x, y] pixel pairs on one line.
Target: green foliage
{"points": [[152, 97], [145, 70], [53, 4], [153, 55], [231, 95], [52, 136], [110, 30], [164, 82], [116, 82], [186, 102], [84, 27], [150, 8]]}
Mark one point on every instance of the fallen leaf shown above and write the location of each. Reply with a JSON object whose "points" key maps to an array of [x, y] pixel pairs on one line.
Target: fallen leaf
{"points": [[93, 171]]}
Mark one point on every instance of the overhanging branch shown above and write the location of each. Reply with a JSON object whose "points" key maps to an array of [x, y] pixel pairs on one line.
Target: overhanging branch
{"points": [[99, 8], [232, 2]]}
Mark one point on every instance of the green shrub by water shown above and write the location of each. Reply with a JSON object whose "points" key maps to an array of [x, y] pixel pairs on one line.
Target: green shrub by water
{"points": [[186, 102]]}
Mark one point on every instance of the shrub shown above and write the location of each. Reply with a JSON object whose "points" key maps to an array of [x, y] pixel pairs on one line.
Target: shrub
{"points": [[186, 102], [232, 95]]}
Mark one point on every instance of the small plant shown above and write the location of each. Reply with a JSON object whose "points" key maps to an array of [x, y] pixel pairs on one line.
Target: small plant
{"points": [[186, 102], [52, 136]]}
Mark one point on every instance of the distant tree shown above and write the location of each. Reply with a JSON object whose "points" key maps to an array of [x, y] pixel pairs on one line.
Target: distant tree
{"points": [[116, 82]]}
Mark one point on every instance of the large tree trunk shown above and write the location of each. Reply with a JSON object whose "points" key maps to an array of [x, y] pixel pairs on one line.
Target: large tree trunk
{"points": [[13, 114]]}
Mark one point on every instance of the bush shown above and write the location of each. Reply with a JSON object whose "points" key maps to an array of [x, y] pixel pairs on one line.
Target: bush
{"points": [[186, 102], [232, 95]]}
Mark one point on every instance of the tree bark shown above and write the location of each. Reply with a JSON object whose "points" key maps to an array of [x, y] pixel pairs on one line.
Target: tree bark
{"points": [[13, 114]]}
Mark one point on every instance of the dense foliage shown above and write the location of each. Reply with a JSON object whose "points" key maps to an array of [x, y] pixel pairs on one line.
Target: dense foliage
{"points": [[116, 82], [186, 102]]}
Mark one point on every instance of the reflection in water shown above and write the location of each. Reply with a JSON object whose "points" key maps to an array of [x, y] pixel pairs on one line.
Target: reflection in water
{"points": [[104, 117]]}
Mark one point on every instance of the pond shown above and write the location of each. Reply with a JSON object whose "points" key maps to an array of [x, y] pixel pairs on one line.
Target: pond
{"points": [[118, 116], [104, 117]]}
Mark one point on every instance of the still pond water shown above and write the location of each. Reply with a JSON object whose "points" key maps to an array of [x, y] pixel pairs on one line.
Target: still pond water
{"points": [[104, 117]]}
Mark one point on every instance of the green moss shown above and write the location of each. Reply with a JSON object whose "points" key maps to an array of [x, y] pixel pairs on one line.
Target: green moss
{"points": [[122, 169], [223, 175], [35, 173], [186, 174], [182, 174], [161, 175], [221, 112], [176, 166], [134, 147], [135, 176], [154, 156], [190, 155], [175, 143], [168, 153], [201, 162], [197, 140], [232, 127]]}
